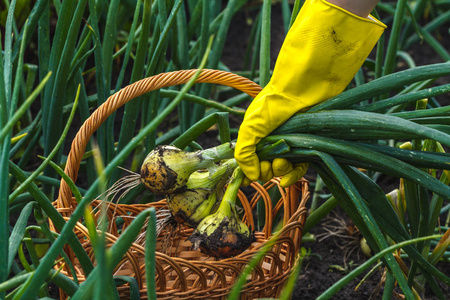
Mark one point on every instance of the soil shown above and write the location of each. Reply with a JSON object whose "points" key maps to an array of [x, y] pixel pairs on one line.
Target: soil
{"points": [[333, 257], [329, 261]]}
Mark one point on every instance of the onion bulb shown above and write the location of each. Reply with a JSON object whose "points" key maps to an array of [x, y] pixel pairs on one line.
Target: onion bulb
{"points": [[223, 234]]}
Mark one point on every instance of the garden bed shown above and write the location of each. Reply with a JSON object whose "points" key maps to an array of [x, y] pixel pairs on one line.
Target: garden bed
{"points": [[77, 41]]}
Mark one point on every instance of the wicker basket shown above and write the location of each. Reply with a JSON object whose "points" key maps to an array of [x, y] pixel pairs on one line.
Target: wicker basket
{"points": [[182, 273]]}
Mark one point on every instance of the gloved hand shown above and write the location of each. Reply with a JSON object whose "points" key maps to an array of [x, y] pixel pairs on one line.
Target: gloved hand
{"points": [[322, 52]]}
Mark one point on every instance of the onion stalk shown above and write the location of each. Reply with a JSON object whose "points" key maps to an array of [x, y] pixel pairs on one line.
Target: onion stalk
{"points": [[166, 169], [223, 234], [199, 200]]}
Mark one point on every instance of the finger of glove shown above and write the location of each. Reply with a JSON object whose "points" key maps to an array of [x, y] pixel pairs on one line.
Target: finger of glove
{"points": [[249, 164], [246, 182], [281, 167], [295, 175], [266, 171]]}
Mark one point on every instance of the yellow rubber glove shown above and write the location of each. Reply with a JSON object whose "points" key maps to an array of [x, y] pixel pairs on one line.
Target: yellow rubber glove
{"points": [[322, 52]]}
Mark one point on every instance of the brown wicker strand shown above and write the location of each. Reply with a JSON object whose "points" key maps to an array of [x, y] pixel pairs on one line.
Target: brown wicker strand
{"points": [[268, 210], [248, 212]]}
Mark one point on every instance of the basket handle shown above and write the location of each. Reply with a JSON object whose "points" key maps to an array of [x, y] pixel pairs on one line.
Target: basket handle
{"points": [[130, 92]]}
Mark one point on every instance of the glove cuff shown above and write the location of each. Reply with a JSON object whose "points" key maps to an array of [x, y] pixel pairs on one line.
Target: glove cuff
{"points": [[322, 52], [370, 18]]}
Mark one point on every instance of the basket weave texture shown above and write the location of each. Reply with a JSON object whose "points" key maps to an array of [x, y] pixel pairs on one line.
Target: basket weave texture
{"points": [[183, 273]]}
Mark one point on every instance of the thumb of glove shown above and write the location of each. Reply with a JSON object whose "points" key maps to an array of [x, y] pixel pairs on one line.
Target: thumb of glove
{"points": [[246, 157]]}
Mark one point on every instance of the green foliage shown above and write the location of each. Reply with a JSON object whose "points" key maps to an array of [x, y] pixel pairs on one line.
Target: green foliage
{"points": [[67, 57]]}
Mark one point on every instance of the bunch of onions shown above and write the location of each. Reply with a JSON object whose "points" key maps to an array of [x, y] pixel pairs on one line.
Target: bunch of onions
{"points": [[194, 183], [223, 234], [199, 198], [166, 169]]}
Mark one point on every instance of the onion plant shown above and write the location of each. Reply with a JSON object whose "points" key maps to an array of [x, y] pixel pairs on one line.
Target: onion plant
{"points": [[67, 57]]}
